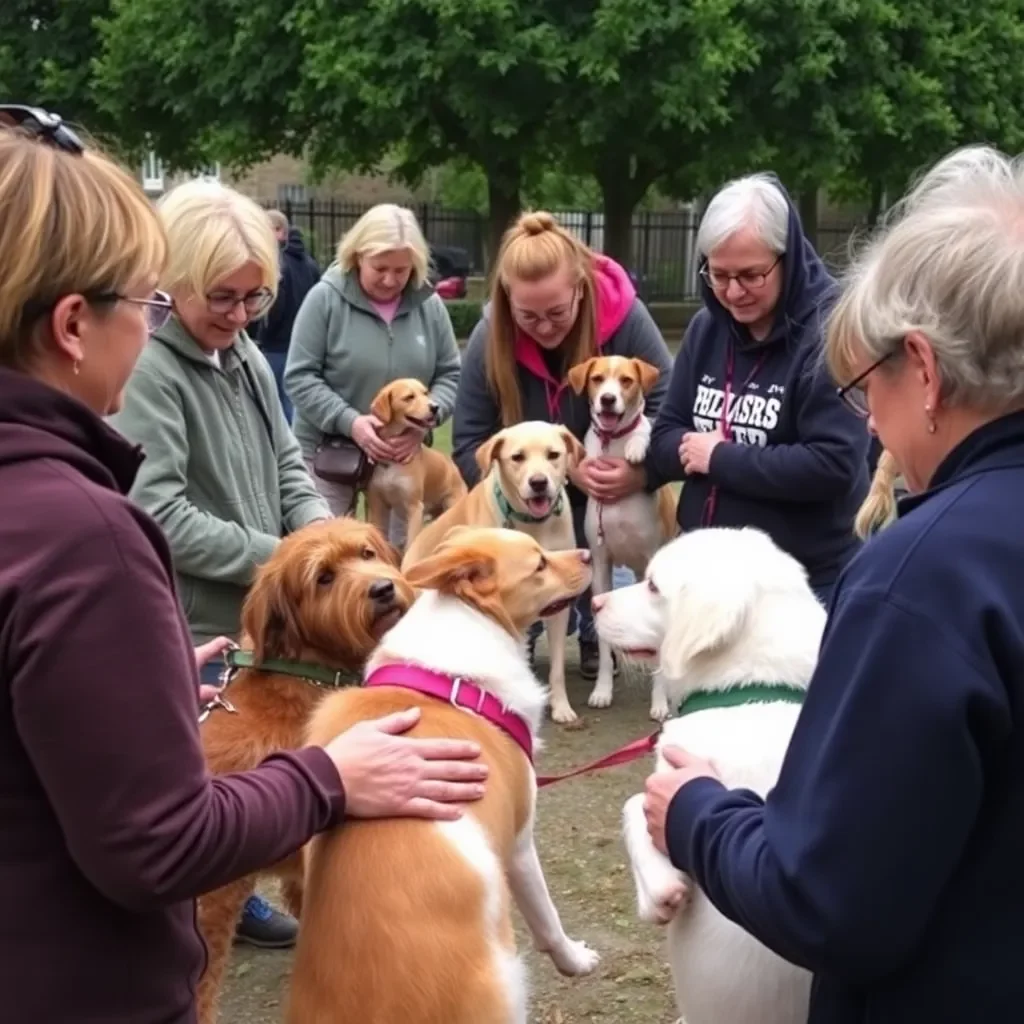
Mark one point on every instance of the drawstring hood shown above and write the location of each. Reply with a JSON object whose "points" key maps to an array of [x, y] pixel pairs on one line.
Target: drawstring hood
{"points": [[615, 297]]}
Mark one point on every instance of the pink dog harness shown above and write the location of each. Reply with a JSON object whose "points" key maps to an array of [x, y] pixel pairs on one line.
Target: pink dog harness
{"points": [[460, 693]]}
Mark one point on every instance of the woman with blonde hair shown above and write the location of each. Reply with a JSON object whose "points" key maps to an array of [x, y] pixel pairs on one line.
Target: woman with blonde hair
{"points": [[223, 475], [373, 318], [112, 824], [887, 858], [554, 304]]}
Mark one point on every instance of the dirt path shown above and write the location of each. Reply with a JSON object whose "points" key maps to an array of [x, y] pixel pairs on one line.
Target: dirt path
{"points": [[583, 858]]}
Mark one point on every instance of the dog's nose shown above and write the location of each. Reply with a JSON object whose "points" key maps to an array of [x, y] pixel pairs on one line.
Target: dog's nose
{"points": [[584, 556], [538, 484], [434, 408], [382, 591], [597, 602], [607, 401]]}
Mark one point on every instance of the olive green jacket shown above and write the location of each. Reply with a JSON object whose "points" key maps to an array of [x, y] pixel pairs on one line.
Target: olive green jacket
{"points": [[223, 475]]}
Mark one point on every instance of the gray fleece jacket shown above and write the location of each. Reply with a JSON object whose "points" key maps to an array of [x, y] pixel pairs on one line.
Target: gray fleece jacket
{"points": [[342, 353]]}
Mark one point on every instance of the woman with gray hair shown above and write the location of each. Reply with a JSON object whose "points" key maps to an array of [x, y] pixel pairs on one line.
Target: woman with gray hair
{"points": [[751, 421], [887, 859]]}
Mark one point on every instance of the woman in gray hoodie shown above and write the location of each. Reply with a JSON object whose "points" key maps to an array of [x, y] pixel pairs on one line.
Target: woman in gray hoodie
{"points": [[370, 320]]}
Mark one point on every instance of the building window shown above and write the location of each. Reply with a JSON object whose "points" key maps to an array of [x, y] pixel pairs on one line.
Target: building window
{"points": [[292, 194], [152, 173], [210, 172]]}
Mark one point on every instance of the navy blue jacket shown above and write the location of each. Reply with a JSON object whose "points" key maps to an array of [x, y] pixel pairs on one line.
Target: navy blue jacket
{"points": [[797, 466], [888, 858]]}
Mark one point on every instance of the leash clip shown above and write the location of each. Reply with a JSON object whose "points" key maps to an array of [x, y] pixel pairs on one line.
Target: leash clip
{"points": [[220, 701]]}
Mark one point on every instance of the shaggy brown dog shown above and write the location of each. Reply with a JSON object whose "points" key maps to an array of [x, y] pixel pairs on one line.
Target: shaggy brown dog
{"points": [[318, 606]]}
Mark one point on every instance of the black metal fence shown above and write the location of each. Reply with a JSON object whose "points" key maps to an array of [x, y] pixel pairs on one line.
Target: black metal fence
{"points": [[663, 260]]}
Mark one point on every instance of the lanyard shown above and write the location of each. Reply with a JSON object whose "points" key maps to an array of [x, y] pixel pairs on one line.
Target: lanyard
{"points": [[725, 425]]}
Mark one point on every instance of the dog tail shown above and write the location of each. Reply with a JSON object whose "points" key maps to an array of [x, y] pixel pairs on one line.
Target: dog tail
{"points": [[879, 507]]}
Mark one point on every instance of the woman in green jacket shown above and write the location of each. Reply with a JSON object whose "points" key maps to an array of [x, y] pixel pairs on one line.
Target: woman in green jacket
{"points": [[371, 319], [223, 475]]}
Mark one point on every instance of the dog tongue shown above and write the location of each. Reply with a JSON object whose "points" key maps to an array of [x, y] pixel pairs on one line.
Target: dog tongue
{"points": [[609, 420], [538, 506]]}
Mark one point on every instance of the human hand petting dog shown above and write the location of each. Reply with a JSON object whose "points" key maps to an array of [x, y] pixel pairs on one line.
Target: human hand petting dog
{"points": [[661, 787], [364, 433], [205, 653], [608, 480], [387, 775], [695, 450], [408, 443]]}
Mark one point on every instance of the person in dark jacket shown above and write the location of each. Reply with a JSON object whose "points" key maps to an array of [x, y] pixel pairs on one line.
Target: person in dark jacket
{"points": [[112, 824], [887, 859], [299, 272], [751, 421], [554, 303]]}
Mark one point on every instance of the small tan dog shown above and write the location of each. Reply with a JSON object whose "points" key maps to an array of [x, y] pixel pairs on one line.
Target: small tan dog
{"points": [[429, 481], [315, 612], [629, 531], [409, 921], [525, 468]]}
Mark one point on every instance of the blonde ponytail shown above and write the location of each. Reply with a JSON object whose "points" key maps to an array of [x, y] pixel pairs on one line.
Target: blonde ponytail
{"points": [[879, 507]]}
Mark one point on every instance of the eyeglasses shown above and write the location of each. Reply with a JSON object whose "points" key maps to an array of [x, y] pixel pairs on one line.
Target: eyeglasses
{"points": [[853, 393], [557, 317], [157, 307], [41, 124], [749, 280], [256, 303]]}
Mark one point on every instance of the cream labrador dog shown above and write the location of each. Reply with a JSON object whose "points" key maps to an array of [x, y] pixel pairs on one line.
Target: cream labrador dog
{"points": [[525, 468]]}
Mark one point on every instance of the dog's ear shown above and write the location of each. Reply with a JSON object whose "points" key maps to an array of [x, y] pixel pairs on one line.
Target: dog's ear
{"points": [[575, 451], [704, 617], [269, 615], [385, 550], [489, 451], [647, 374], [577, 376], [466, 573], [381, 406]]}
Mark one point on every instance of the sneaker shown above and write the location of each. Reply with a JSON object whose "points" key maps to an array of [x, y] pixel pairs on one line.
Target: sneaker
{"points": [[261, 925], [590, 659]]}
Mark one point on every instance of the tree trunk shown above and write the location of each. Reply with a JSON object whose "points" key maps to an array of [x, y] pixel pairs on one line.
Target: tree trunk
{"points": [[808, 206], [619, 203], [504, 186], [877, 197]]}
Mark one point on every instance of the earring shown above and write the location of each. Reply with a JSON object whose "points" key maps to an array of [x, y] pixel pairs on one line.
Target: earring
{"points": [[74, 367], [931, 421]]}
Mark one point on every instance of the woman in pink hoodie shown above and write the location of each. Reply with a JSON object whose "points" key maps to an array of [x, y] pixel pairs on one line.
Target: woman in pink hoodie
{"points": [[554, 303]]}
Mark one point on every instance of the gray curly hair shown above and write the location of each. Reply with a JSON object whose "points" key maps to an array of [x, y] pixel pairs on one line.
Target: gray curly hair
{"points": [[948, 263]]}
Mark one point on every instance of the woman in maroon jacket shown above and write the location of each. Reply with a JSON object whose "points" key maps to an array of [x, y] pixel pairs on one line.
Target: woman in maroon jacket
{"points": [[111, 825]]}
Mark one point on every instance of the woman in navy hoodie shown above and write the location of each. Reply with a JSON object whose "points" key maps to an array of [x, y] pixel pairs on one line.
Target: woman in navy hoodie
{"points": [[887, 859], [751, 421], [554, 303]]}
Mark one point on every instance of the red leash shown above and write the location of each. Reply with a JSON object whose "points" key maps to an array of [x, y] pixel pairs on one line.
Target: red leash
{"points": [[630, 752]]}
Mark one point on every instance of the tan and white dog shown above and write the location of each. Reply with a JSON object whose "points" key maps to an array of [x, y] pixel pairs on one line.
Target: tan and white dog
{"points": [[408, 920], [429, 481], [736, 628], [525, 468], [629, 531]]}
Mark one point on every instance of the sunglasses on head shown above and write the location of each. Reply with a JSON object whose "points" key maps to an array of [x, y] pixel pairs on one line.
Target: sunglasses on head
{"points": [[42, 125]]}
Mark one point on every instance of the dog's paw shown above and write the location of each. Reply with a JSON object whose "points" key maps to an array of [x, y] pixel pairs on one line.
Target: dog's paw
{"points": [[562, 713], [659, 708], [574, 959], [660, 906], [601, 695], [636, 450]]}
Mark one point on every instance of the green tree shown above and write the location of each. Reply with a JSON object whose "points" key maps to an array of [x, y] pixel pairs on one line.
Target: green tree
{"points": [[45, 50]]}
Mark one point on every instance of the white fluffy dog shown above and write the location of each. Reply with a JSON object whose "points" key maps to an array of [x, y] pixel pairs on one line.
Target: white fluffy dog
{"points": [[735, 628]]}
